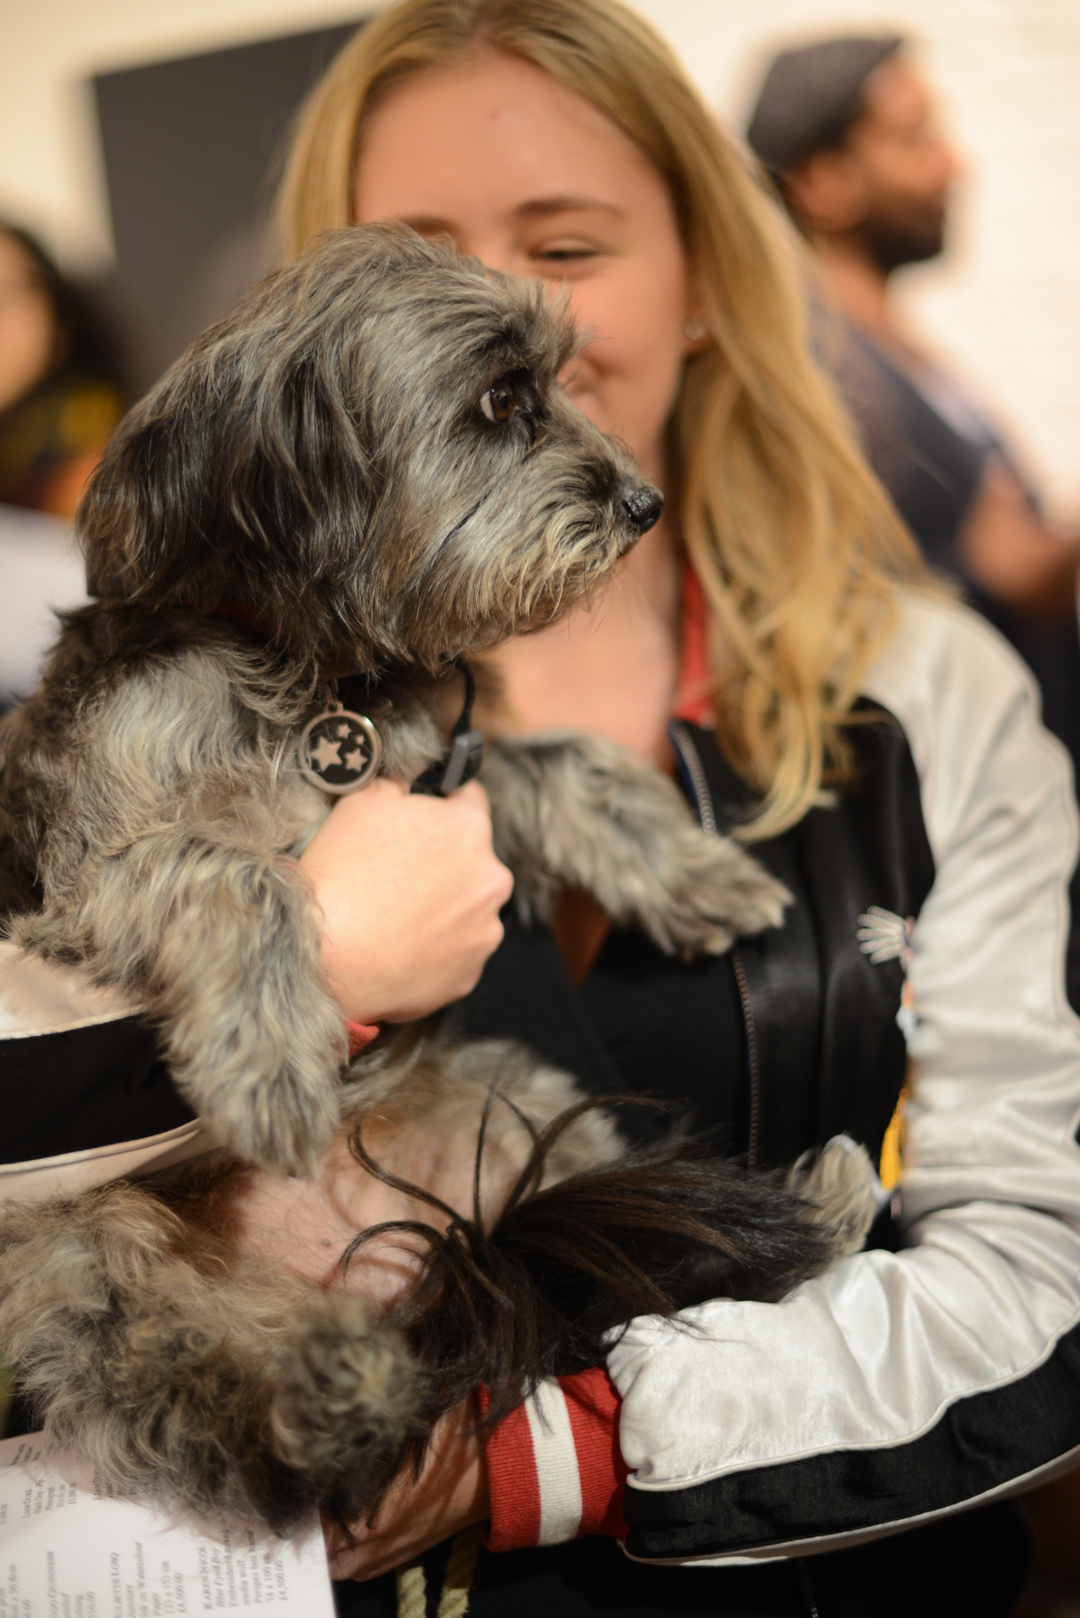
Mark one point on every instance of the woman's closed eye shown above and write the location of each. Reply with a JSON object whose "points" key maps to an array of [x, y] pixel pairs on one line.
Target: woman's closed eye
{"points": [[563, 250], [565, 257], [565, 254]]}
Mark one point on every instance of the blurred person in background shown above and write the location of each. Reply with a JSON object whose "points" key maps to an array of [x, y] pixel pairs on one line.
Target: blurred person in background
{"points": [[849, 131], [59, 398], [59, 402]]}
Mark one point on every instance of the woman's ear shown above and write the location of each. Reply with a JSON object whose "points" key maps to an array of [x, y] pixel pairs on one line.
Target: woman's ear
{"points": [[696, 332]]}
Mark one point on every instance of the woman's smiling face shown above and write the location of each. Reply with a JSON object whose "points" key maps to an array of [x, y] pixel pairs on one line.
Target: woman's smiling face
{"points": [[531, 179]]}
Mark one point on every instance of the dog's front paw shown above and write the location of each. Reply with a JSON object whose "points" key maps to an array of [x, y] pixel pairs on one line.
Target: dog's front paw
{"points": [[720, 893], [290, 1145], [254, 1039], [703, 892], [282, 1123], [273, 1098], [580, 812]]}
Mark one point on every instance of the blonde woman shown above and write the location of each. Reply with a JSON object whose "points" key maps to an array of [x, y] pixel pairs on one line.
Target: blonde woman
{"points": [[773, 643]]}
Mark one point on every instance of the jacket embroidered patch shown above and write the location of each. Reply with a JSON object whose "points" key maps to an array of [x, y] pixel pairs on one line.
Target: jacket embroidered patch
{"points": [[884, 936]]}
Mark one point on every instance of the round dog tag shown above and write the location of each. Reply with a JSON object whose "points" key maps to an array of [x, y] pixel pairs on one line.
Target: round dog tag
{"points": [[339, 751]]}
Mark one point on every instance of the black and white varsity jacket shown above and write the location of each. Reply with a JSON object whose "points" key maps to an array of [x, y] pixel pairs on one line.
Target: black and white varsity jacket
{"points": [[931, 940]]}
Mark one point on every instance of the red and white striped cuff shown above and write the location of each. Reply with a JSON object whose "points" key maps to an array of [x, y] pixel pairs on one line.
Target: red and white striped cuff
{"points": [[554, 1465]]}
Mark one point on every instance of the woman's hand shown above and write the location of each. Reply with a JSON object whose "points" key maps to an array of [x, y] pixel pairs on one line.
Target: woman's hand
{"points": [[450, 1494], [410, 892]]}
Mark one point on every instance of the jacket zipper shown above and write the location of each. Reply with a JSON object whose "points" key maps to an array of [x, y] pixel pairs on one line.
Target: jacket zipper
{"points": [[707, 817], [692, 763], [808, 1589], [754, 1128]]}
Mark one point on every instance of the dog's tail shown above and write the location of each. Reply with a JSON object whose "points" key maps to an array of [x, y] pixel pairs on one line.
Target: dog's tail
{"points": [[541, 1292]]}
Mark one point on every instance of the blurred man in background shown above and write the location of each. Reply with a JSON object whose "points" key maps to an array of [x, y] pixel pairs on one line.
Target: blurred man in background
{"points": [[849, 132]]}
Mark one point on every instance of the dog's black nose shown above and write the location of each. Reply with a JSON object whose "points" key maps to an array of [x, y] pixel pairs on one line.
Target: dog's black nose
{"points": [[642, 504]]}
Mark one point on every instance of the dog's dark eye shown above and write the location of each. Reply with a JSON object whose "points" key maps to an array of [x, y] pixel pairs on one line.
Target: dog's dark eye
{"points": [[499, 402]]}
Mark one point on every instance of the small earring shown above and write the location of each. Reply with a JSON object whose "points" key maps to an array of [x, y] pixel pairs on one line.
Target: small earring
{"points": [[695, 330]]}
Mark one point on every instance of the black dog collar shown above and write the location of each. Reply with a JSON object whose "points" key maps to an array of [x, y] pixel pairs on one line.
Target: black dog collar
{"points": [[462, 760], [340, 749]]}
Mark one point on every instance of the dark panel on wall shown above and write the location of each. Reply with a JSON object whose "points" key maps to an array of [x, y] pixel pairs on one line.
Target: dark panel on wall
{"points": [[192, 150]]}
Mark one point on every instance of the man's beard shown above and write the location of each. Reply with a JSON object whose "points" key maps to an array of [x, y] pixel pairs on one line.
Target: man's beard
{"points": [[893, 240]]}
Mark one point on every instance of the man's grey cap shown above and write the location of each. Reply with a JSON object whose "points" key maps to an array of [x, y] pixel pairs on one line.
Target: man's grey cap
{"points": [[809, 96]]}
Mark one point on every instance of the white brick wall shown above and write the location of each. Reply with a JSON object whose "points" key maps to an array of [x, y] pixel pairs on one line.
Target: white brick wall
{"points": [[1005, 308]]}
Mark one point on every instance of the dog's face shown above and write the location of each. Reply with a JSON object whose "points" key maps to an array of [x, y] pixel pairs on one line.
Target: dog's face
{"points": [[372, 457]]}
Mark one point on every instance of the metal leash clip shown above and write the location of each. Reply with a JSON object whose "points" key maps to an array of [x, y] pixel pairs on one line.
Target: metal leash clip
{"points": [[460, 764], [462, 760]]}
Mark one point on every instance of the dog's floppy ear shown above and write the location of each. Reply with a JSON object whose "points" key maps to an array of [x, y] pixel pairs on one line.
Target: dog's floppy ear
{"points": [[243, 479], [240, 480], [143, 519]]}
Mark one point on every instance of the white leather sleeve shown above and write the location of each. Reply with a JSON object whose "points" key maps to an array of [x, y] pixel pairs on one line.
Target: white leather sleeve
{"points": [[902, 1386]]}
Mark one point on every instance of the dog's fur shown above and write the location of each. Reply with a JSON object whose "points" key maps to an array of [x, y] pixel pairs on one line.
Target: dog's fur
{"points": [[319, 489]]}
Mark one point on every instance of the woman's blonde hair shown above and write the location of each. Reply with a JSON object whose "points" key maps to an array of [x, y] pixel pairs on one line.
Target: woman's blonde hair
{"points": [[795, 544]]}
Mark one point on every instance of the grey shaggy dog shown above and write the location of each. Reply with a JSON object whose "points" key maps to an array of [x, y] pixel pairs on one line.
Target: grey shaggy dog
{"points": [[367, 470]]}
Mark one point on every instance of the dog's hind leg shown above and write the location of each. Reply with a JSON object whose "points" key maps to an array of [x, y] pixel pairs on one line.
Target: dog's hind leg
{"points": [[148, 1349], [219, 944], [582, 812]]}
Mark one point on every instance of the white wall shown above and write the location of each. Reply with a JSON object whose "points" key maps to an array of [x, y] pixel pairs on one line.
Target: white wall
{"points": [[1005, 308]]}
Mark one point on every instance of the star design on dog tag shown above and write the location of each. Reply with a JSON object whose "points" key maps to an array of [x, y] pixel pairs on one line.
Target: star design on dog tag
{"points": [[324, 753], [339, 752]]}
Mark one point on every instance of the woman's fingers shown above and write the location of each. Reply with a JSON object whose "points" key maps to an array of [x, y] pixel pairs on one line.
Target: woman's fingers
{"points": [[410, 892]]}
